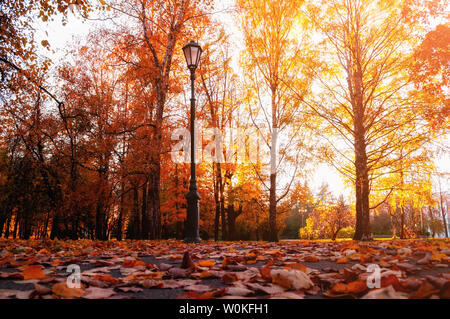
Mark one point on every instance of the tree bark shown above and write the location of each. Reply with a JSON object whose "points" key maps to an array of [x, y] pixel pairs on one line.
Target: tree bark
{"points": [[121, 213], [443, 213], [273, 209], [144, 233], [355, 82]]}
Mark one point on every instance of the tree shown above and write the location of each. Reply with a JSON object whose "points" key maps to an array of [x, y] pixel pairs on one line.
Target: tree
{"points": [[430, 74], [20, 64], [365, 91], [218, 83], [272, 59], [157, 28]]}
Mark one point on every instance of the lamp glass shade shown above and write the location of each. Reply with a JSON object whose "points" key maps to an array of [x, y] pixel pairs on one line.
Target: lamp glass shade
{"points": [[192, 52]]}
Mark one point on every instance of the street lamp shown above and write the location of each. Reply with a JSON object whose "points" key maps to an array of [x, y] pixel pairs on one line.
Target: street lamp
{"points": [[192, 52]]}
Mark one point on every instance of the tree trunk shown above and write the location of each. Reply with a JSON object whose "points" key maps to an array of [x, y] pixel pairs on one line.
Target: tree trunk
{"points": [[144, 233], [443, 213], [222, 209], [362, 231], [100, 216], [273, 231], [153, 204], [217, 202], [121, 212], [273, 236], [2, 223], [134, 229], [335, 235], [16, 224], [402, 223]]}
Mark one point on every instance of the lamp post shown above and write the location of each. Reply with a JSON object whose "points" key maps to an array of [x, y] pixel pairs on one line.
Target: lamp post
{"points": [[192, 52]]}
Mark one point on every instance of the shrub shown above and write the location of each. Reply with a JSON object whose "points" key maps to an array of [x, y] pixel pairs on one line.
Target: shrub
{"points": [[346, 232]]}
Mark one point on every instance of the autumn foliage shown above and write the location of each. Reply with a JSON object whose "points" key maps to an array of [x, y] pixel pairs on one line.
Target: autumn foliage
{"points": [[87, 144]]}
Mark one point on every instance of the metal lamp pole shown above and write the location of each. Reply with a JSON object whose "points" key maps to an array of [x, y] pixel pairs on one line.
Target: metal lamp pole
{"points": [[192, 52]]}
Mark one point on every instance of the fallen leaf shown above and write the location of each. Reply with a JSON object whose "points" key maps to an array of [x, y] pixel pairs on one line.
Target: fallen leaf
{"points": [[342, 289], [311, 258], [425, 290], [291, 279], [61, 290], [206, 263], [98, 293], [238, 291], [228, 278], [34, 272], [342, 260], [384, 293], [42, 290], [107, 278], [438, 257], [287, 295]]}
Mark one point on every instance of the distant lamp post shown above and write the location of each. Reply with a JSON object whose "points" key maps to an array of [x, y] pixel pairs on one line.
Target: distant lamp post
{"points": [[192, 52]]}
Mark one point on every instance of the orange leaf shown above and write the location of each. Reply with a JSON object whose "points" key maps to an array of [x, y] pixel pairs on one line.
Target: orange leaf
{"points": [[129, 263], [393, 280], [206, 263], [196, 295], [311, 258], [22, 263], [56, 262], [265, 273], [229, 277], [298, 267], [251, 255], [61, 290], [354, 287], [33, 272], [357, 287], [425, 290], [437, 257], [342, 260], [205, 274]]}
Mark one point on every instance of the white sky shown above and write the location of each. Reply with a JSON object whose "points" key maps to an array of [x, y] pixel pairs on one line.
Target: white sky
{"points": [[60, 37]]}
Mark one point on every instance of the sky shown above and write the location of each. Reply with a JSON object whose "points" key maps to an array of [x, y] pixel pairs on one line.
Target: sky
{"points": [[61, 37]]}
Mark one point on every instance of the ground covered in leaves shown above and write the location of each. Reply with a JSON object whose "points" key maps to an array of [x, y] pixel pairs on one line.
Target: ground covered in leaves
{"points": [[171, 269]]}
